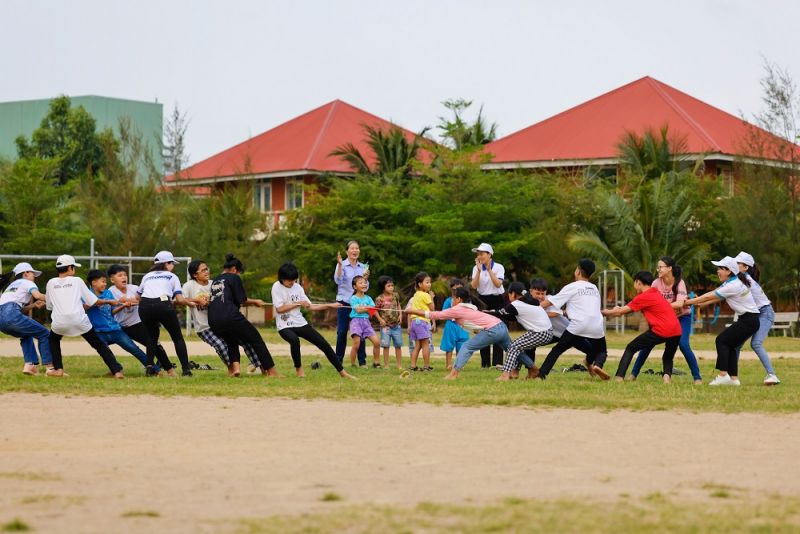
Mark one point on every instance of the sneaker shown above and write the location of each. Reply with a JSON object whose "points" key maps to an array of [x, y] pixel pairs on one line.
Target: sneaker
{"points": [[150, 371], [735, 382], [186, 372], [55, 372], [30, 369], [721, 380], [771, 380]]}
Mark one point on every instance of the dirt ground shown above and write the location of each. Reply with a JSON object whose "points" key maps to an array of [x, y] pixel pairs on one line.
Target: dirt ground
{"points": [[92, 465]]}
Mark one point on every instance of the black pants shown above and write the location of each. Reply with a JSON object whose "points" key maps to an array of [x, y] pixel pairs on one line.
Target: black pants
{"points": [[292, 337], [156, 313], [730, 338], [493, 302], [96, 343], [646, 341], [596, 356], [238, 331], [582, 345], [139, 334]]}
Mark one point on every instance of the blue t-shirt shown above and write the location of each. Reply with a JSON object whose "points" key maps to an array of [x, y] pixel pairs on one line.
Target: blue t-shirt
{"points": [[101, 317], [355, 301]]}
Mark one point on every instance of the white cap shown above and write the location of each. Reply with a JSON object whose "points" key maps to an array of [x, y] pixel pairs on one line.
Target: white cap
{"points": [[165, 256], [25, 267], [484, 247], [729, 263], [744, 257], [65, 260]]}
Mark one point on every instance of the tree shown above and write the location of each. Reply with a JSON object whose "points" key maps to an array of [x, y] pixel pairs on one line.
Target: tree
{"points": [[393, 153], [66, 136], [652, 154], [173, 147], [458, 134]]}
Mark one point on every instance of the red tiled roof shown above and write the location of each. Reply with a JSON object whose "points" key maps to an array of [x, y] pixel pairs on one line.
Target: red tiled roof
{"points": [[301, 144], [593, 129]]}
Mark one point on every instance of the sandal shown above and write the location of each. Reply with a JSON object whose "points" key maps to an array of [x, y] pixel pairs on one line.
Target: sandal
{"points": [[413, 368]]}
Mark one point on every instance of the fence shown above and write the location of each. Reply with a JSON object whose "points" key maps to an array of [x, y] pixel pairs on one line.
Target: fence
{"points": [[95, 260]]}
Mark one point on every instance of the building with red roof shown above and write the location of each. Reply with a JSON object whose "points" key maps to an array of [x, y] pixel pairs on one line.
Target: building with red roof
{"points": [[280, 161], [588, 134]]}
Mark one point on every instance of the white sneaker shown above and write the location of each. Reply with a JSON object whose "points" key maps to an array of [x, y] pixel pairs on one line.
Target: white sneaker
{"points": [[735, 382], [771, 380], [721, 380]]}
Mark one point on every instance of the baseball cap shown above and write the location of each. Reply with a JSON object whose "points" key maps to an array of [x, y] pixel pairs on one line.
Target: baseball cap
{"points": [[65, 260], [729, 263], [484, 247], [165, 256], [24, 267], [744, 257]]}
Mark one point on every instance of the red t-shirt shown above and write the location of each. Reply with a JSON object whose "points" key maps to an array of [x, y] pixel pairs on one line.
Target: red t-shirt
{"points": [[658, 312]]}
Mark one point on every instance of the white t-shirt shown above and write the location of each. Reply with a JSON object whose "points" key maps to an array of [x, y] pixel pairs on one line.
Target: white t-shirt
{"points": [[288, 295], [737, 295], [759, 296], [65, 297], [485, 285], [126, 316], [18, 292], [157, 284], [559, 322], [194, 289], [582, 299], [531, 318]]}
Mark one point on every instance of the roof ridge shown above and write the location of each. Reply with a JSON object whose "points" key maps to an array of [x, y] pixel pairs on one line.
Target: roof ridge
{"points": [[657, 86], [320, 134]]}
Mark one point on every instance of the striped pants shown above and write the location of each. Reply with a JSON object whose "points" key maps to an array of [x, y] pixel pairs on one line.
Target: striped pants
{"points": [[528, 340], [221, 348]]}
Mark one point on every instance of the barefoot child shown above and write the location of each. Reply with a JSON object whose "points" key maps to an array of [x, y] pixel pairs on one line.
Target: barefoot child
{"points": [[360, 327], [288, 297], [22, 295], [66, 297], [491, 330], [388, 314], [664, 325], [421, 326], [103, 321], [453, 336]]}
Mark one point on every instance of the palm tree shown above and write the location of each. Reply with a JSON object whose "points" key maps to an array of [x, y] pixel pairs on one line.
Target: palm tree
{"points": [[652, 154], [392, 150], [459, 134], [657, 221]]}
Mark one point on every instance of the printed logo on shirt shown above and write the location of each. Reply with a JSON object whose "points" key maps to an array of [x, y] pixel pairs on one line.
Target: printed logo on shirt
{"points": [[588, 291], [218, 290]]}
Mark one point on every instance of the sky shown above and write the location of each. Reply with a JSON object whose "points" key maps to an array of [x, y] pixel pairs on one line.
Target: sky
{"points": [[239, 68]]}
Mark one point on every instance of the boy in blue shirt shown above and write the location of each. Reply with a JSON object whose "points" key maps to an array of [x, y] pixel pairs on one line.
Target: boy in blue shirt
{"points": [[102, 318]]}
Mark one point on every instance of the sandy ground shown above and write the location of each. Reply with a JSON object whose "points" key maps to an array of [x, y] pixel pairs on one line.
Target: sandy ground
{"points": [[77, 346], [78, 464]]}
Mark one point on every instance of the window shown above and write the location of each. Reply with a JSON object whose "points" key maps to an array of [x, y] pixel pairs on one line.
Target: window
{"points": [[294, 193], [262, 195]]}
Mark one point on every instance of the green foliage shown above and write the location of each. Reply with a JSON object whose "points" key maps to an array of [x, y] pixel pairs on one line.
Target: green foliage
{"points": [[67, 138], [652, 154], [459, 134], [394, 154]]}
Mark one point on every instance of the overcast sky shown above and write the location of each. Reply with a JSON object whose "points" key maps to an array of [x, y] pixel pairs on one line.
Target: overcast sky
{"points": [[239, 68]]}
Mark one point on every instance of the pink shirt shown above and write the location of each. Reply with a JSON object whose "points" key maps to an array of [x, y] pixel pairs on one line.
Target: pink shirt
{"points": [[462, 314], [667, 292]]}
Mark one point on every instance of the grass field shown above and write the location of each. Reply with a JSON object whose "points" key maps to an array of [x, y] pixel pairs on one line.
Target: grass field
{"points": [[725, 511], [475, 387]]}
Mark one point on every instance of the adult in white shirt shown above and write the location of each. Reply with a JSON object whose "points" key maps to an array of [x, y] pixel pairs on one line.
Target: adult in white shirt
{"points": [[22, 295], [487, 280], [586, 323], [735, 290], [766, 315], [288, 298], [66, 297]]}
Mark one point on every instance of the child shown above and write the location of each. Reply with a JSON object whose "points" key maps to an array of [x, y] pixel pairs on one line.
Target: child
{"points": [[66, 297], [226, 320], [198, 290], [22, 295], [388, 314], [102, 318], [360, 327], [582, 299], [491, 330], [664, 325], [288, 297], [453, 336], [421, 327], [127, 315], [538, 331]]}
